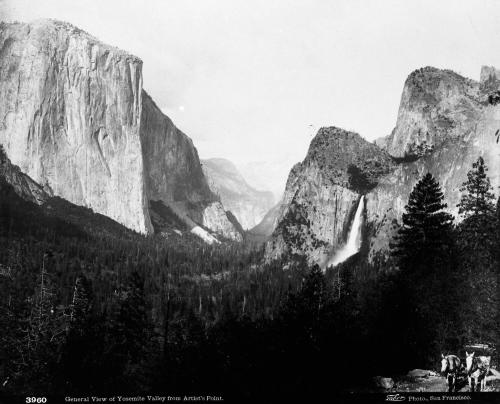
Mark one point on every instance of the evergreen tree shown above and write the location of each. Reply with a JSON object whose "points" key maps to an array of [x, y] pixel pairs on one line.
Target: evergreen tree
{"points": [[423, 249], [498, 236], [476, 234], [425, 236], [12, 325], [305, 308], [45, 329], [80, 305], [128, 335], [477, 198], [80, 358], [133, 317], [314, 292], [478, 259]]}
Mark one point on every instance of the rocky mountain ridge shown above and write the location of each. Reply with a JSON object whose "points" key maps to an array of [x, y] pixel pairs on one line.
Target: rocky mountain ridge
{"points": [[445, 122], [75, 118], [322, 194]]}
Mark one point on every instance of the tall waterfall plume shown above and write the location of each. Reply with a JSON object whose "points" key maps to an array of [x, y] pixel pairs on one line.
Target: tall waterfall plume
{"points": [[353, 243]]}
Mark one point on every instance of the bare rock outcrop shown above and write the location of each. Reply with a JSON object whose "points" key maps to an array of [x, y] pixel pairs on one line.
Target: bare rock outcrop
{"points": [[216, 219], [436, 106]]}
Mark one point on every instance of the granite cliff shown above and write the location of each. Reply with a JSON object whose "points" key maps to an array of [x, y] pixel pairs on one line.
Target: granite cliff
{"points": [[447, 151], [322, 194], [444, 123], [75, 118], [245, 202]]}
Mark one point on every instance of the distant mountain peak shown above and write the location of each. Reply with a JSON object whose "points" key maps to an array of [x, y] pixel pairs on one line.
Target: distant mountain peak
{"points": [[246, 203]]}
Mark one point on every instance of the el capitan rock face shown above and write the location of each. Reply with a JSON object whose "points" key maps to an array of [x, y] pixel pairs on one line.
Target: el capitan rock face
{"points": [[246, 203], [445, 123], [75, 118], [70, 112]]}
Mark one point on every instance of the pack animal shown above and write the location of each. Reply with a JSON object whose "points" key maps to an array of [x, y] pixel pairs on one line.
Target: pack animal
{"points": [[477, 369], [450, 366]]}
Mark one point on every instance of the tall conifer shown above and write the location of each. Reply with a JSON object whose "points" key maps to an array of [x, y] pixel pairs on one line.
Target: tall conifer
{"points": [[477, 253], [425, 236]]}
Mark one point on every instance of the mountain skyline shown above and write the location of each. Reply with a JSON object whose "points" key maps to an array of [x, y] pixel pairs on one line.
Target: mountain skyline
{"points": [[255, 82]]}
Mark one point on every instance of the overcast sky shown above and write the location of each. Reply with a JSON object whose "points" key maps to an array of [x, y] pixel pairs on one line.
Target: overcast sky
{"points": [[253, 80]]}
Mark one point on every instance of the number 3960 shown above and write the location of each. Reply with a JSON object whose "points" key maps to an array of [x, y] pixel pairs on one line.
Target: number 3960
{"points": [[31, 400]]}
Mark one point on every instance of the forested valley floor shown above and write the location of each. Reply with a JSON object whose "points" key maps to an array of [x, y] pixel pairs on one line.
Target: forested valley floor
{"points": [[87, 305]]}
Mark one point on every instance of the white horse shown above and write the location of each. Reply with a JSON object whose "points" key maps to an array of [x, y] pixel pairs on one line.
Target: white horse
{"points": [[450, 366], [477, 370]]}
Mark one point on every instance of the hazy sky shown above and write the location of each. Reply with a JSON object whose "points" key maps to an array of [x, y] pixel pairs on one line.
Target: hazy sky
{"points": [[252, 80]]}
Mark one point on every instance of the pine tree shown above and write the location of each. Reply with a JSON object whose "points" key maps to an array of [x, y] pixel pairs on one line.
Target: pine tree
{"points": [[498, 236], [12, 326], [314, 291], [477, 198], [477, 232], [423, 248], [3, 156], [477, 256], [80, 305], [425, 236], [128, 336], [80, 354], [45, 330]]}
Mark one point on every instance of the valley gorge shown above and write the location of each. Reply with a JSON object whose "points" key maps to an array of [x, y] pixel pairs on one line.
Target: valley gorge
{"points": [[248, 204]]}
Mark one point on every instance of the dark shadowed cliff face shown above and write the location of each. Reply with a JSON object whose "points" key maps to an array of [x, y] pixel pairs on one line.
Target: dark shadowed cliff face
{"points": [[21, 184], [75, 118], [171, 162], [322, 194], [445, 123]]}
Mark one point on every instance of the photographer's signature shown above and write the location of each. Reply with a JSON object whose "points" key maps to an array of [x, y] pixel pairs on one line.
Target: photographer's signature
{"points": [[395, 397]]}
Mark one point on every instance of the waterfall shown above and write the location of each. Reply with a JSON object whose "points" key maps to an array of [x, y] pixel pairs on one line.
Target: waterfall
{"points": [[353, 243]]}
